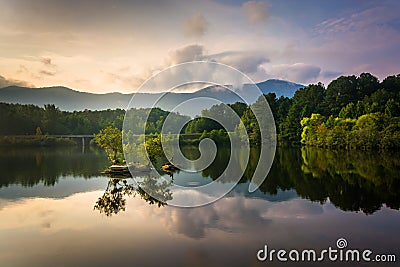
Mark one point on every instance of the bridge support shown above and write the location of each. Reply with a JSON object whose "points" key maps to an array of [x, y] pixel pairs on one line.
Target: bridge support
{"points": [[83, 145]]}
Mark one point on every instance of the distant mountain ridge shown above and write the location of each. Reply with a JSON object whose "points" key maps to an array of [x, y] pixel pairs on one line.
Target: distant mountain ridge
{"points": [[69, 100]]}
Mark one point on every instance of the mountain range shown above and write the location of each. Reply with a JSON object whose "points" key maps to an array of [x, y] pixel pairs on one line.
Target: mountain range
{"points": [[69, 100]]}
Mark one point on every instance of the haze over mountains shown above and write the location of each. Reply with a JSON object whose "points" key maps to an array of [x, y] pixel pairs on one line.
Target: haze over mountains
{"points": [[69, 100]]}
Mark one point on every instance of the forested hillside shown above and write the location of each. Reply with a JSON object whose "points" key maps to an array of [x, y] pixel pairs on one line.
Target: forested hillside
{"points": [[29, 120], [351, 112]]}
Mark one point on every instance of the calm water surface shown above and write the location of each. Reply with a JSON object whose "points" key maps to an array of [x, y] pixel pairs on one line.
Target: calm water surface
{"points": [[56, 209]]}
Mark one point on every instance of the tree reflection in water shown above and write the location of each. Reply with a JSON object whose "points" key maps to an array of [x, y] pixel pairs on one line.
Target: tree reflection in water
{"points": [[360, 181], [118, 189], [351, 180]]}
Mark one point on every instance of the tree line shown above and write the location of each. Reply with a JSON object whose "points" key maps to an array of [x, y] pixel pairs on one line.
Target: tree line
{"points": [[352, 112], [20, 119]]}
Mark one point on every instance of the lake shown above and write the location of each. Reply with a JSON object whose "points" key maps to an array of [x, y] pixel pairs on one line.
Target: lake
{"points": [[57, 209]]}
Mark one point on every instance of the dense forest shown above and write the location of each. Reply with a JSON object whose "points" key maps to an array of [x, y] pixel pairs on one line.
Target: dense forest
{"points": [[31, 120], [351, 112]]}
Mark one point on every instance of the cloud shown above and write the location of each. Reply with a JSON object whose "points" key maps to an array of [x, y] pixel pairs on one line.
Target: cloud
{"points": [[186, 54], [247, 62], [355, 22], [365, 40], [121, 79], [195, 26], [382, 16], [234, 215], [49, 67], [302, 73], [328, 74], [228, 215], [298, 208], [9, 82], [298, 72], [347, 36], [47, 62], [48, 73], [362, 68], [22, 69], [256, 11]]}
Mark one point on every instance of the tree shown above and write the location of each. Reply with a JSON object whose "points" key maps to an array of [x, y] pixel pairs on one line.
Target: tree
{"points": [[305, 101], [198, 125], [38, 131], [341, 92], [223, 115], [392, 108], [312, 128], [283, 106], [290, 129], [348, 111], [110, 139], [251, 125], [379, 99], [391, 83], [154, 148], [366, 84], [239, 108]]}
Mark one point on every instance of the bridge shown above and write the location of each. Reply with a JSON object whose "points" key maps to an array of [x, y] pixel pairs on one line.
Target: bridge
{"points": [[54, 135], [81, 136], [72, 136]]}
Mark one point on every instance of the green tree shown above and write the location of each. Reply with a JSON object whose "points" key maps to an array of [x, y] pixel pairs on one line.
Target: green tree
{"points": [[313, 130], [283, 106], [305, 101], [391, 83], [349, 111], [110, 139], [251, 125], [366, 85], [154, 148], [239, 108], [38, 131], [392, 108], [341, 92]]}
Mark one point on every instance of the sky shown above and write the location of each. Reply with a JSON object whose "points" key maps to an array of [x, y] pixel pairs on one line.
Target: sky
{"points": [[104, 46]]}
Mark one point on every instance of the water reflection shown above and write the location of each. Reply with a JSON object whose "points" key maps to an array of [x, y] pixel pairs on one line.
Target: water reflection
{"points": [[226, 233], [352, 181], [299, 206], [31, 166], [114, 198]]}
